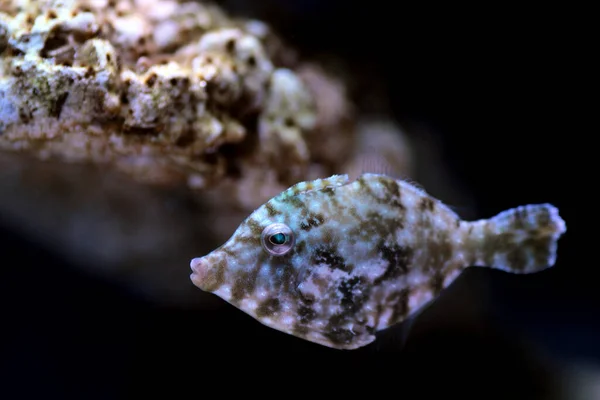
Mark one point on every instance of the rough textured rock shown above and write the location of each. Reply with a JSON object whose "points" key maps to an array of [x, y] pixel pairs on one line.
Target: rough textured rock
{"points": [[152, 87]]}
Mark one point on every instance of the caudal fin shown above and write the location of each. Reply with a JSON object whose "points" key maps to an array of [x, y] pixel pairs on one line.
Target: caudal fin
{"points": [[520, 240]]}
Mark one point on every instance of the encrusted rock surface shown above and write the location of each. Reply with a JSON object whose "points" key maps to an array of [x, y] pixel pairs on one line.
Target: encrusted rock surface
{"points": [[153, 87]]}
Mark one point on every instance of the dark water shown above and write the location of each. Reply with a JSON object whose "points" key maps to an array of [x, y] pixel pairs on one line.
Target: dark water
{"points": [[494, 91]]}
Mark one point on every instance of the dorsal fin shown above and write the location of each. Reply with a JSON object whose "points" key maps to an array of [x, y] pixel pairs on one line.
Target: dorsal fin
{"points": [[310, 186], [370, 163]]}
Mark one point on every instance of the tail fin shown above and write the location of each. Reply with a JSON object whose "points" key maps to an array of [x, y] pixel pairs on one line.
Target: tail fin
{"points": [[520, 240]]}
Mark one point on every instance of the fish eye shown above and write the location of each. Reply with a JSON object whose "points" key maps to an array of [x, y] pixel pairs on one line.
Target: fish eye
{"points": [[277, 239]]}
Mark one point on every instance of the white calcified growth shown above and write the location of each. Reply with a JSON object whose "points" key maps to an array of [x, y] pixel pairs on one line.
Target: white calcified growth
{"points": [[364, 255]]}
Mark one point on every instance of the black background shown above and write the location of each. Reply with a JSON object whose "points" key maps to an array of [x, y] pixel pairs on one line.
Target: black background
{"points": [[500, 89]]}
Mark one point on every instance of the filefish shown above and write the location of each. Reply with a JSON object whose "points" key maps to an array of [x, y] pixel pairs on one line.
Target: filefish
{"points": [[335, 261]]}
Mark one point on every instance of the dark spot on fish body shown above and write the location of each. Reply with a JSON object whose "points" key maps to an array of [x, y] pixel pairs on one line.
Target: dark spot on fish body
{"points": [[300, 330], [365, 187], [329, 191], [398, 223], [295, 201], [268, 307], [519, 217], [312, 221], [340, 336], [437, 283], [376, 224], [317, 219], [216, 279], [321, 282], [336, 334], [254, 240], [399, 302], [244, 285], [397, 258], [336, 205], [255, 226], [543, 218], [374, 219], [281, 274], [300, 246], [393, 196], [227, 251], [336, 320], [440, 251], [517, 259], [397, 203], [295, 191], [306, 314], [358, 227], [238, 291], [328, 255], [307, 298], [496, 244], [352, 211], [540, 247], [427, 204], [353, 294], [390, 185], [272, 211]]}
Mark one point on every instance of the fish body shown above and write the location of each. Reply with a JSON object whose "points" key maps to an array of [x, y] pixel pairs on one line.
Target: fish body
{"points": [[334, 261]]}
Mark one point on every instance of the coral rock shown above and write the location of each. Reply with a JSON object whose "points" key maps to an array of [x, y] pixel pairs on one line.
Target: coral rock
{"points": [[152, 87]]}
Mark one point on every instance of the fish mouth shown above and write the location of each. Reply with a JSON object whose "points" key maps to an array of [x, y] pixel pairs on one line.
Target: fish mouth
{"points": [[208, 272], [198, 274]]}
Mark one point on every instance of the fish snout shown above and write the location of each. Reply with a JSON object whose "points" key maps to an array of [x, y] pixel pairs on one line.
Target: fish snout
{"points": [[206, 273]]}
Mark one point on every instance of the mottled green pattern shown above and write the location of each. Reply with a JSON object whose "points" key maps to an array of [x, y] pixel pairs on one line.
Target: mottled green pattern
{"points": [[367, 255]]}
